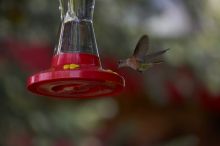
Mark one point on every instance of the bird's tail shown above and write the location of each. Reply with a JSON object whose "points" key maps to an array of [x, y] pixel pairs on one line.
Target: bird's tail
{"points": [[155, 54]]}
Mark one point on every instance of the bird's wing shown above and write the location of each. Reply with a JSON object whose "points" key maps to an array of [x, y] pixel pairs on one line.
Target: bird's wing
{"points": [[141, 48], [154, 55]]}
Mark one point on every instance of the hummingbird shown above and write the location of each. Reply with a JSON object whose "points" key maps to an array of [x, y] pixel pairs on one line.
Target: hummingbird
{"points": [[141, 60]]}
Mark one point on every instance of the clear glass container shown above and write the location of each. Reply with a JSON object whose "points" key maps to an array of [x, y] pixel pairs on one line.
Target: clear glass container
{"points": [[77, 42], [76, 31]]}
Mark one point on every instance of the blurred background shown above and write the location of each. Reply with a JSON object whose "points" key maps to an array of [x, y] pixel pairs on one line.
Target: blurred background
{"points": [[173, 104]]}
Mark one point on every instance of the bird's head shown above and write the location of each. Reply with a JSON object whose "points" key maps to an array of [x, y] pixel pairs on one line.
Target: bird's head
{"points": [[122, 63]]}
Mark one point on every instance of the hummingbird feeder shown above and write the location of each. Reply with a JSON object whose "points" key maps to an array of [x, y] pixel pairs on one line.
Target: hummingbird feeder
{"points": [[76, 70]]}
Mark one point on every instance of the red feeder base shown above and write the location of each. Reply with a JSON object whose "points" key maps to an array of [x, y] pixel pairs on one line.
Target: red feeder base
{"points": [[71, 77]]}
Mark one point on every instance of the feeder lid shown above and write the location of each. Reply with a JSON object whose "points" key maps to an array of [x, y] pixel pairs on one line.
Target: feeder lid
{"points": [[84, 83]]}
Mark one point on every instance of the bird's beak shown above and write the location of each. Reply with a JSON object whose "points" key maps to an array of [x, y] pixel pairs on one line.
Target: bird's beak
{"points": [[120, 63]]}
